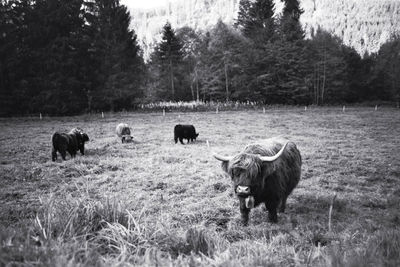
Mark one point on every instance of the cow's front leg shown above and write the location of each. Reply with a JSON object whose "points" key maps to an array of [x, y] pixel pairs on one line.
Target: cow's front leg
{"points": [[181, 140], [283, 205], [54, 154], [272, 212], [63, 154]]}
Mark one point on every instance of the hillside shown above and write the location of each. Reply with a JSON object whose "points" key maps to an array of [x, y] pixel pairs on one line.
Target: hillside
{"points": [[362, 24]]}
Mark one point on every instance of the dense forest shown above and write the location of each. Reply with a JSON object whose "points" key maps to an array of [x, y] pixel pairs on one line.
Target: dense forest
{"points": [[68, 57]]}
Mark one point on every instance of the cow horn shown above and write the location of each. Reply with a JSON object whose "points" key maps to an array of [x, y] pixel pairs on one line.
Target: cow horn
{"points": [[222, 158], [272, 158]]}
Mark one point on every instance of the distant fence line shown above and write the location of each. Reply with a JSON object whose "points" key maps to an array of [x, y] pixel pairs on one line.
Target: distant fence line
{"points": [[200, 105], [182, 106]]}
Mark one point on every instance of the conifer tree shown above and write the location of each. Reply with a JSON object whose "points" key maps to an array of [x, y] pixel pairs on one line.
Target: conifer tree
{"points": [[115, 47], [290, 26], [243, 17], [168, 59], [256, 20]]}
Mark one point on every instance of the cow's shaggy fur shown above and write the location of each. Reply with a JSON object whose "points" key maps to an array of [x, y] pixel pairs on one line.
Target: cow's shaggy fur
{"points": [[124, 132], [81, 138], [270, 182], [185, 132], [69, 142]]}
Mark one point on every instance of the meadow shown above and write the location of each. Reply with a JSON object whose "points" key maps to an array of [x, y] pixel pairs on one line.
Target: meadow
{"points": [[156, 203]]}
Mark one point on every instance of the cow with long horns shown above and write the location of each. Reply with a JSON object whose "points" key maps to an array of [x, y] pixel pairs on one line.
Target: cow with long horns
{"points": [[264, 173]]}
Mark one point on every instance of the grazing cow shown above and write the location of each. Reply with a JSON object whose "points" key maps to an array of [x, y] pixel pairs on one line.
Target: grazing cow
{"points": [[81, 137], [69, 142], [124, 132], [264, 173], [184, 132]]}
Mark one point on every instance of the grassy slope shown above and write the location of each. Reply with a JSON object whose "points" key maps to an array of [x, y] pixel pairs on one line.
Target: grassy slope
{"points": [[153, 202]]}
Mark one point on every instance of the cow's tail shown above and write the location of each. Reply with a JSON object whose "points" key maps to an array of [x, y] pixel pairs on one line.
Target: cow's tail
{"points": [[56, 139]]}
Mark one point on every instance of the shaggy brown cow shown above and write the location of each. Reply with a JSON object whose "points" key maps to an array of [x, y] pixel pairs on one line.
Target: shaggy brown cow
{"points": [[264, 173], [68, 142]]}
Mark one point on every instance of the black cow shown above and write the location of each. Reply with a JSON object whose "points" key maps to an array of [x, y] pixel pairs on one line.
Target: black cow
{"points": [[184, 132], [68, 142], [264, 173]]}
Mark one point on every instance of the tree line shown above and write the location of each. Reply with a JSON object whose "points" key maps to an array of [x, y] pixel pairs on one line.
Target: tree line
{"points": [[68, 57]]}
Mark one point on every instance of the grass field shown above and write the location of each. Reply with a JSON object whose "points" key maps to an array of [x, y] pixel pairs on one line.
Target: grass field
{"points": [[157, 203]]}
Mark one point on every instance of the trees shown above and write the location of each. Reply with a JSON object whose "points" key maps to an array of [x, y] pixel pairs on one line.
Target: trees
{"points": [[117, 53], [65, 57], [167, 62], [329, 69], [220, 64], [256, 20], [384, 78], [192, 47], [290, 27]]}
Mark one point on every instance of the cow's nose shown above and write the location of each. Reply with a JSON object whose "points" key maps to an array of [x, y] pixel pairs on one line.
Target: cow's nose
{"points": [[243, 189]]}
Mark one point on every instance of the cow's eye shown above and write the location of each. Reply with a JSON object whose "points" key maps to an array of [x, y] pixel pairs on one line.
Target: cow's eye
{"points": [[236, 172]]}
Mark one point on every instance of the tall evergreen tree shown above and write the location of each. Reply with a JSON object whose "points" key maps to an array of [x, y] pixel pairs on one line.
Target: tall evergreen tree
{"points": [[256, 20], [47, 69], [167, 58], [243, 17], [384, 78], [191, 48], [290, 26], [118, 54], [220, 63]]}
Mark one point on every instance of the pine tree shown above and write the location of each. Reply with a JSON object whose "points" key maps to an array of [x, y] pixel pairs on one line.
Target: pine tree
{"points": [[220, 62], [47, 71], [385, 75], [256, 20], [191, 49], [243, 17], [290, 26], [115, 47], [168, 57]]}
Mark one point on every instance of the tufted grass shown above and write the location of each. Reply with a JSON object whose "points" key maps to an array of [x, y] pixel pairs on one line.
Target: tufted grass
{"points": [[156, 203]]}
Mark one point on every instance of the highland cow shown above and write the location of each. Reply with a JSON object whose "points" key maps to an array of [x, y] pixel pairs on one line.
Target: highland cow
{"points": [[264, 173], [185, 132], [68, 142], [124, 132], [81, 138]]}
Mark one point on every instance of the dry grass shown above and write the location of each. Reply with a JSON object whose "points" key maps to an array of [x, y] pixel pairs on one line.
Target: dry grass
{"points": [[153, 202]]}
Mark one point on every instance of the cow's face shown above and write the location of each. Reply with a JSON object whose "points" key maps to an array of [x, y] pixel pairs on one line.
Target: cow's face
{"points": [[126, 131], [81, 139], [245, 170], [85, 137]]}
